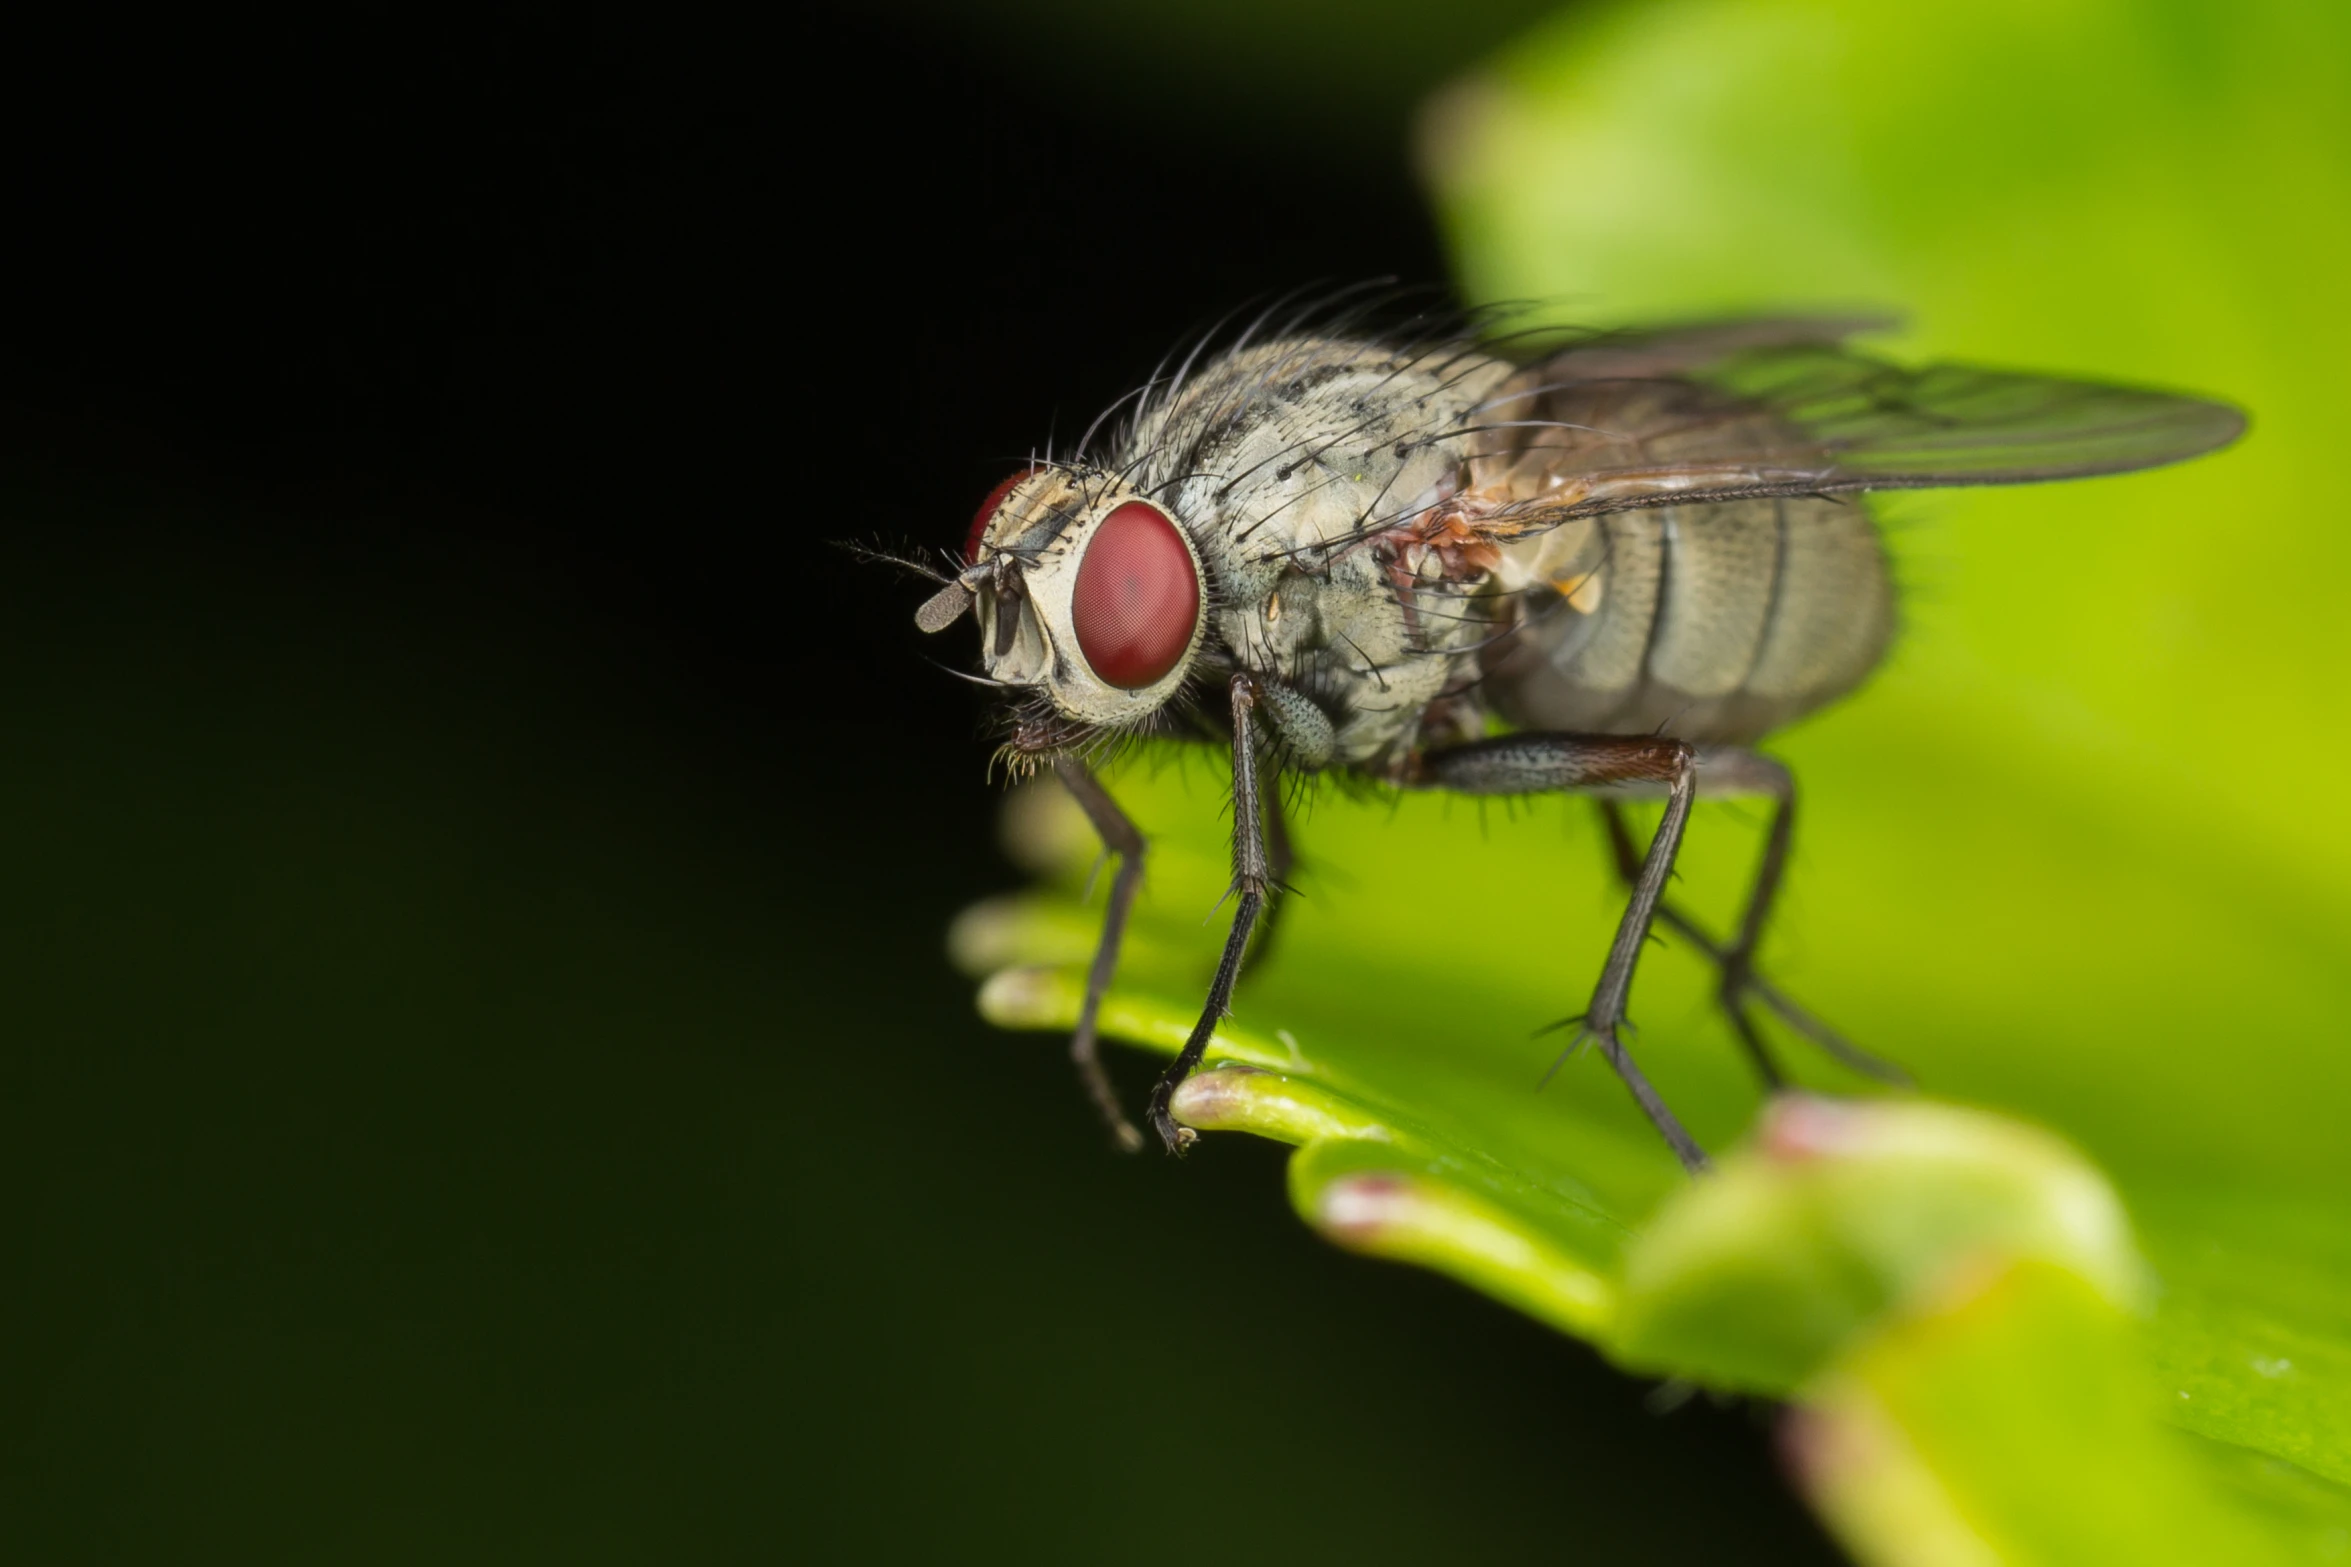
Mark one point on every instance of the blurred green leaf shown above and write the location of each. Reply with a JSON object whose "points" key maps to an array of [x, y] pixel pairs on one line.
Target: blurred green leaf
{"points": [[1392, 1040], [1844, 1216], [2007, 1423], [2080, 851]]}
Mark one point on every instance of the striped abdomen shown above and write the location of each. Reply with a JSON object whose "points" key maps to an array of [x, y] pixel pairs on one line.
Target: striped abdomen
{"points": [[1712, 623]]}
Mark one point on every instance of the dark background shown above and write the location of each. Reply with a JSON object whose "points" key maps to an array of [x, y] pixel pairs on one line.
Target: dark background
{"points": [[481, 1081]]}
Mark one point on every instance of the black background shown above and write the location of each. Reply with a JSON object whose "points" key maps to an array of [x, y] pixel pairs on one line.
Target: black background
{"points": [[482, 1081]]}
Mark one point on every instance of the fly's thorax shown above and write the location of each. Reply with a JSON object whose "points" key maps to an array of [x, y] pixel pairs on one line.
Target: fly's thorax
{"points": [[1296, 449], [1346, 639], [1288, 463], [1089, 593]]}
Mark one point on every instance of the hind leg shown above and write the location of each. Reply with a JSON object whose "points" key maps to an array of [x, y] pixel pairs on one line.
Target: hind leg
{"points": [[1737, 985]]}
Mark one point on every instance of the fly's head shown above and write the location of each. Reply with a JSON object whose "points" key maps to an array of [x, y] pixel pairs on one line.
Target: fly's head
{"points": [[1091, 600]]}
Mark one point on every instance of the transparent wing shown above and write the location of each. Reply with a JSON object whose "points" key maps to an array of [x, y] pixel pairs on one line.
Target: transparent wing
{"points": [[1742, 409]]}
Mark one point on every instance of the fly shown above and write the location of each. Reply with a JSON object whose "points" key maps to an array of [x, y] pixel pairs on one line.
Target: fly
{"points": [[1609, 569]]}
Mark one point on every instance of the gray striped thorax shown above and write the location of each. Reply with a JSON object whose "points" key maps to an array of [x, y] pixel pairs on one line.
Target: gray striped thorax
{"points": [[1292, 465]]}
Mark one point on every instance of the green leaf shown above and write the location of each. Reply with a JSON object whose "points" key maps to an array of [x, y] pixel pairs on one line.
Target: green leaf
{"points": [[1843, 1217], [2078, 854], [2007, 1423]]}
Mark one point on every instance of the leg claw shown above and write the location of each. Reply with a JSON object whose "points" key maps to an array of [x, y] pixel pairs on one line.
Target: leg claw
{"points": [[1177, 1139]]}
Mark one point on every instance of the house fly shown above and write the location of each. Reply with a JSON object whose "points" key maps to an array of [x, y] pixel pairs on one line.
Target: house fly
{"points": [[1411, 555]]}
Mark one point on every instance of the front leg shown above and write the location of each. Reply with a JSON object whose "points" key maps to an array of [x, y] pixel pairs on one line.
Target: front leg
{"points": [[1251, 876], [1120, 836], [1281, 857], [1567, 764]]}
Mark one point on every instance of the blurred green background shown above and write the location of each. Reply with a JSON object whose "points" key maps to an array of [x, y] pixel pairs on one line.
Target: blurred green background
{"points": [[483, 1080]]}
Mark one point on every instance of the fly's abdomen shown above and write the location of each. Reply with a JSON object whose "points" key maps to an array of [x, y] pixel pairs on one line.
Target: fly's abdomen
{"points": [[1712, 623]]}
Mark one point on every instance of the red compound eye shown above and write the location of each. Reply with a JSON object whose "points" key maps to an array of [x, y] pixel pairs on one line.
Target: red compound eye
{"points": [[987, 511], [1137, 597]]}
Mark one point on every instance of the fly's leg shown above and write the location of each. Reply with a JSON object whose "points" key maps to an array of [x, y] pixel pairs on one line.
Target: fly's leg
{"points": [[1735, 975], [1252, 874], [1737, 982], [1568, 764], [1121, 837], [1280, 858]]}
